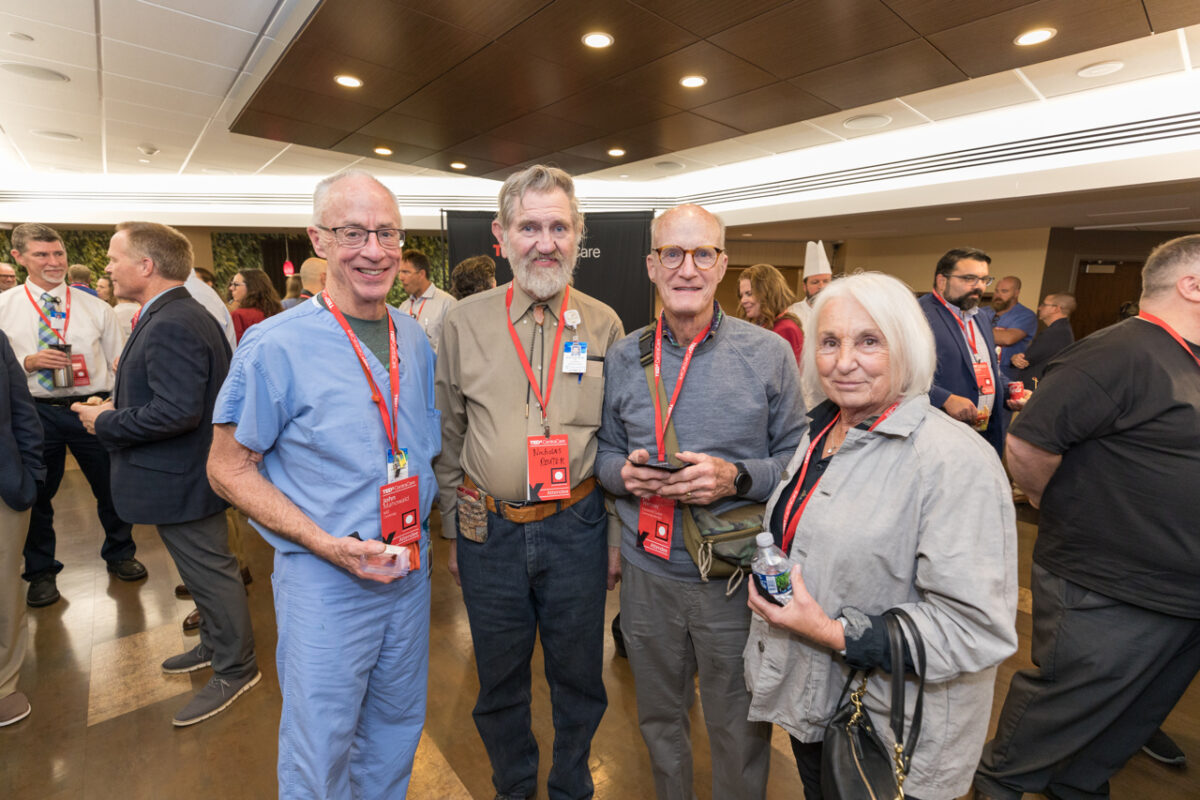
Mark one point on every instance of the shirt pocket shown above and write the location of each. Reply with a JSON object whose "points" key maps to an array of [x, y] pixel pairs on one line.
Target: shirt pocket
{"points": [[583, 395]]}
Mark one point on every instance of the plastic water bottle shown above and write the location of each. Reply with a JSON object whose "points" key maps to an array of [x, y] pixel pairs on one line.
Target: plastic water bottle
{"points": [[772, 569]]}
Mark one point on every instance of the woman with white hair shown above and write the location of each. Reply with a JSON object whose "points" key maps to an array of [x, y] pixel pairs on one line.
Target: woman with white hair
{"points": [[887, 503]]}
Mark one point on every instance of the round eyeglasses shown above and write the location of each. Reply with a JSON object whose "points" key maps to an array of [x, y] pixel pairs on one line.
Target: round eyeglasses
{"points": [[704, 257]]}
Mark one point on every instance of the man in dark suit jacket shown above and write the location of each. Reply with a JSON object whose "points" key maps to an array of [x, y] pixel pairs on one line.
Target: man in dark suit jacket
{"points": [[158, 430], [21, 470], [968, 384]]}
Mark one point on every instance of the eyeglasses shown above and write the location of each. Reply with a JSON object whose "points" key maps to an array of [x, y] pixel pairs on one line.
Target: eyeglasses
{"points": [[1049, 305], [704, 257], [235, 283], [355, 237], [974, 280]]}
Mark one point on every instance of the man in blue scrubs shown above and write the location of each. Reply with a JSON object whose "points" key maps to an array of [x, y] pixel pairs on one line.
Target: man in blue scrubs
{"points": [[323, 427]]}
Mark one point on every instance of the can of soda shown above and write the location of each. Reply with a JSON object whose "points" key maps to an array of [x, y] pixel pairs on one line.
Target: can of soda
{"points": [[1016, 390]]}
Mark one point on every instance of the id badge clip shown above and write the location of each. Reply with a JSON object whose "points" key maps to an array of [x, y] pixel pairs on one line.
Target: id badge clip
{"points": [[656, 525]]}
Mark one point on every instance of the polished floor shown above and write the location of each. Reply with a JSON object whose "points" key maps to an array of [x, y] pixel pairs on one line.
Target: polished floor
{"points": [[101, 721]]}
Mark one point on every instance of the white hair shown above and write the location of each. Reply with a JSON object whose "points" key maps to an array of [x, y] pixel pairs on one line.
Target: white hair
{"points": [[912, 356], [321, 193]]}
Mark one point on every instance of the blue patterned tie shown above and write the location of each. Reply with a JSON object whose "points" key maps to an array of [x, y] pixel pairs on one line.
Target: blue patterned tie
{"points": [[46, 338]]}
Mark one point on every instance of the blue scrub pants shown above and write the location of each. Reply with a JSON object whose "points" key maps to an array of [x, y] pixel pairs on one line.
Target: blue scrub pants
{"points": [[353, 661]]}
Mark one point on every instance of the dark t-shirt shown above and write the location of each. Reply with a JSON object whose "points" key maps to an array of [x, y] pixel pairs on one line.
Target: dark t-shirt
{"points": [[1121, 515]]}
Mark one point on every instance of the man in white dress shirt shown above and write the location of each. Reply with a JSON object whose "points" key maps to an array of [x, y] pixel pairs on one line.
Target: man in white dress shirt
{"points": [[40, 318]]}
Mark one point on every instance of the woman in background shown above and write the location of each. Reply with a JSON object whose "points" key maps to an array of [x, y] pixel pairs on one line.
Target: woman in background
{"points": [[255, 298], [764, 296], [293, 289], [124, 309]]}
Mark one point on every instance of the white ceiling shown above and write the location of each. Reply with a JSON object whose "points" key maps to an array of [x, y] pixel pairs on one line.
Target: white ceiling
{"points": [[171, 75]]}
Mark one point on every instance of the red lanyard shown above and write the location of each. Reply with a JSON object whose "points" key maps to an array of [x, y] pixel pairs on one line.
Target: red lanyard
{"points": [[420, 308], [1171, 331], [968, 329], [543, 402], [660, 424], [790, 522], [62, 337], [389, 423]]}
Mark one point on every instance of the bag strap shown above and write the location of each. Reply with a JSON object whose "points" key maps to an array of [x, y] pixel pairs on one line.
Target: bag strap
{"points": [[899, 623]]}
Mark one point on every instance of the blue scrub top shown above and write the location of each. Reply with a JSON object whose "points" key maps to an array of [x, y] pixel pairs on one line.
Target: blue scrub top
{"points": [[297, 395]]}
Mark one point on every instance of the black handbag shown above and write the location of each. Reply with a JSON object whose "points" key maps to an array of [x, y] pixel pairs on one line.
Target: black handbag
{"points": [[855, 763]]}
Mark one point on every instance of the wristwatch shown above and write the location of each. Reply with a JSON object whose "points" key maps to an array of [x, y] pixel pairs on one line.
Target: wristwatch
{"points": [[743, 481]]}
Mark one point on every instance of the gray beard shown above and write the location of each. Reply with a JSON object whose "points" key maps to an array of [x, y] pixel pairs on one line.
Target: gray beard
{"points": [[542, 284]]}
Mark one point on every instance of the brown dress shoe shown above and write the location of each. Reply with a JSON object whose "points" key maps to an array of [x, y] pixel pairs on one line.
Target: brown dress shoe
{"points": [[192, 621]]}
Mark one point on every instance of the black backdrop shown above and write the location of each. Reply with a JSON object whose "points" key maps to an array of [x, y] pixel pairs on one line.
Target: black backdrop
{"points": [[612, 259]]}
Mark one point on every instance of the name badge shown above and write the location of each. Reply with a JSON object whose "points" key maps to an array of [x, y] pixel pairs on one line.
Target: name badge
{"points": [[397, 465], [656, 524], [574, 357], [548, 468], [400, 511], [983, 378], [58, 320], [79, 367]]}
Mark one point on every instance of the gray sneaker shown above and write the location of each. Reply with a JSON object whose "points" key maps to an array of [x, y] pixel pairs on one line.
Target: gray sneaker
{"points": [[196, 658], [216, 696]]}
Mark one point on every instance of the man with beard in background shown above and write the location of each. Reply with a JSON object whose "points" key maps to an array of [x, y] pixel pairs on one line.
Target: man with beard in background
{"points": [[520, 383], [968, 384]]}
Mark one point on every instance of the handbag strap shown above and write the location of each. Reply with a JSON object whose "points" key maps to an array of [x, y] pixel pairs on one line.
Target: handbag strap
{"points": [[899, 623]]}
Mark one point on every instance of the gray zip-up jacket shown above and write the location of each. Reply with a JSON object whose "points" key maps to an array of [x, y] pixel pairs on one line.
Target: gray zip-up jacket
{"points": [[917, 514]]}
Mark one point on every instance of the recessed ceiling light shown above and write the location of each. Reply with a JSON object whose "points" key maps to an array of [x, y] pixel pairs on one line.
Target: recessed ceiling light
{"points": [[457, 165], [1035, 36], [953, 219], [747, 235], [349, 81], [31, 71], [597, 39], [867, 122], [622, 176], [147, 149], [58, 136], [143, 161], [693, 81], [20, 37], [616, 152], [1100, 69], [383, 151]]}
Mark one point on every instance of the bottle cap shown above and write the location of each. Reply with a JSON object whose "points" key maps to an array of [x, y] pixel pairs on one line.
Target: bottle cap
{"points": [[764, 539]]}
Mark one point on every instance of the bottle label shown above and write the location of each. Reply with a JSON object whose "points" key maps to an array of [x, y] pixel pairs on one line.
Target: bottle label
{"points": [[777, 585]]}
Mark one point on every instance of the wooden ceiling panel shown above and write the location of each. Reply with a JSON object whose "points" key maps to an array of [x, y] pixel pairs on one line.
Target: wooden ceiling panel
{"points": [[546, 132], [635, 149], [681, 131], [1167, 15], [769, 107], [493, 86], [810, 34], [910, 67], [293, 102], [704, 17], [492, 19], [609, 108], [931, 16], [392, 37], [986, 46], [442, 161], [555, 34], [497, 150], [271, 126], [311, 67], [425, 133], [361, 145], [727, 76]]}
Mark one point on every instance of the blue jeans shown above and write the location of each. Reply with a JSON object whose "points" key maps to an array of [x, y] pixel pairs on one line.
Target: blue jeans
{"points": [[543, 577], [63, 429]]}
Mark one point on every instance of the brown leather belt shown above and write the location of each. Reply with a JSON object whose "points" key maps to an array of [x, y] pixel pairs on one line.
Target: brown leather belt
{"points": [[522, 513]]}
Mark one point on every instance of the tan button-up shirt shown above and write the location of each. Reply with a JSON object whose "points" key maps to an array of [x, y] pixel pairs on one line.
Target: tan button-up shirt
{"points": [[483, 392]]}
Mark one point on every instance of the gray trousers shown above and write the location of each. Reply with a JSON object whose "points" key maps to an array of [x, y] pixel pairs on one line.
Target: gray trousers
{"points": [[201, 553], [672, 630], [14, 635], [1108, 673]]}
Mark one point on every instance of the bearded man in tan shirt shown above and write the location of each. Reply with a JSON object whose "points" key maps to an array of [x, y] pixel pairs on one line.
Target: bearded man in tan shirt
{"points": [[520, 384]]}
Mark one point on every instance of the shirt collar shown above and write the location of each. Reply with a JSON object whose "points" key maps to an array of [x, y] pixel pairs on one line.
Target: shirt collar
{"points": [[718, 315], [146, 305], [522, 303]]}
